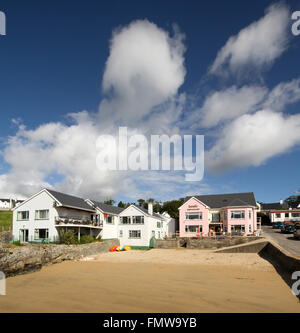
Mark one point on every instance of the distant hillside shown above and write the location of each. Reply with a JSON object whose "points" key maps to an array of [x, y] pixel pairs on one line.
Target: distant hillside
{"points": [[5, 220]]}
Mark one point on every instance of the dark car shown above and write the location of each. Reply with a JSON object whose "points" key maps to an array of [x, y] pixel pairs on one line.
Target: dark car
{"points": [[277, 225], [297, 231], [288, 228]]}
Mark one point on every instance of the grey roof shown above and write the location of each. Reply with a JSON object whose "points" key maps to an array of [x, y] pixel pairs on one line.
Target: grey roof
{"points": [[71, 201], [273, 205], [226, 200], [146, 211], [107, 208]]}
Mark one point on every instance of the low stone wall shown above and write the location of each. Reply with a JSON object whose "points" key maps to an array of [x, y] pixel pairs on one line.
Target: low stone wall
{"points": [[167, 244], [210, 243], [29, 258], [5, 237]]}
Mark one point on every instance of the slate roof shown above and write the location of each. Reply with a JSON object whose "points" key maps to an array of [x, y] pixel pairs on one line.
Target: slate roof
{"points": [[71, 201], [107, 208], [273, 205], [146, 211], [226, 200]]}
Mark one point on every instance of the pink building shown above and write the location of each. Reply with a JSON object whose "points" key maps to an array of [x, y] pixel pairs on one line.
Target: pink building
{"points": [[234, 213]]}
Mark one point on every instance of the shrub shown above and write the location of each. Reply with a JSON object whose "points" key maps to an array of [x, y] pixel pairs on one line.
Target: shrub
{"points": [[68, 237], [87, 239]]}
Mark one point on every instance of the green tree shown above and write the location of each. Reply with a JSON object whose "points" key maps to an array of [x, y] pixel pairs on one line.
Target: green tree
{"points": [[171, 207], [109, 202]]}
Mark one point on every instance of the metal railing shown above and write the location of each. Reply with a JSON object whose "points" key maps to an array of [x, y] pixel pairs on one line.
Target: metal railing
{"points": [[77, 221]]}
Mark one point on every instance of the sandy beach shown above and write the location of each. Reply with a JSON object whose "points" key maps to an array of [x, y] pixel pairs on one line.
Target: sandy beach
{"points": [[153, 281]]}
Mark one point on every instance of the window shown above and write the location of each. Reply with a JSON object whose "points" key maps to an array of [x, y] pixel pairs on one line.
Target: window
{"points": [[238, 214], [193, 216], [215, 217], [225, 215], [295, 214], [238, 228], [137, 219], [250, 228], [278, 215], [42, 214], [193, 228], [110, 219], [120, 233], [41, 234], [134, 233], [158, 235], [286, 214], [249, 214], [158, 224], [125, 220], [23, 215]]}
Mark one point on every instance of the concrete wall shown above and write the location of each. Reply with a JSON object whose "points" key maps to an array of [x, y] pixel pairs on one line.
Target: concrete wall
{"points": [[29, 258], [5, 237]]}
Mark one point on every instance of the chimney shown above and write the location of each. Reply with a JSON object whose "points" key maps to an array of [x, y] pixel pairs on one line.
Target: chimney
{"points": [[150, 207], [281, 202]]}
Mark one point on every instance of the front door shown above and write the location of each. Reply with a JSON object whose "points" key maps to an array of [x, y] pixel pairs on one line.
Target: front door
{"points": [[24, 235]]}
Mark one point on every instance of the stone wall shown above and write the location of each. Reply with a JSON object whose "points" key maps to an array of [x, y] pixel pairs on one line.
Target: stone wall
{"points": [[5, 237], [167, 244], [29, 258], [209, 243]]}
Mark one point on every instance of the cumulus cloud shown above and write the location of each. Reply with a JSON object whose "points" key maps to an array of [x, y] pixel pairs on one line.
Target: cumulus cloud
{"points": [[144, 69], [252, 139], [227, 104], [255, 46]]}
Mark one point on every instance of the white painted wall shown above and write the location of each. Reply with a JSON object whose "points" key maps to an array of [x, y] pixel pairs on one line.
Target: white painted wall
{"points": [[38, 202], [150, 224]]}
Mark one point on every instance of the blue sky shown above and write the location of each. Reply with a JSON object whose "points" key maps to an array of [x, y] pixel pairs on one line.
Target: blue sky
{"points": [[53, 61]]}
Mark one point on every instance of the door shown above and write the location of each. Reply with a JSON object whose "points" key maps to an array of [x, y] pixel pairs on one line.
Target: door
{"points": [[24, 235]]}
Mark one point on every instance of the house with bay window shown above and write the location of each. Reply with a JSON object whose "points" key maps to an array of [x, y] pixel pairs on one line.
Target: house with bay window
{"points": [[202, 215]]}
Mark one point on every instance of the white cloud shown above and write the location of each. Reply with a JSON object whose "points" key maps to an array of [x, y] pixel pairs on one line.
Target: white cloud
{"points": [[144, 69], [227, 104], [257, 45], [283, 94], [252, 139]]}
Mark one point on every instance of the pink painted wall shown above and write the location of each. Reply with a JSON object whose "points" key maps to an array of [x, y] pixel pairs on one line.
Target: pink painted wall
{"points": [[252, 221], [193, 206]]}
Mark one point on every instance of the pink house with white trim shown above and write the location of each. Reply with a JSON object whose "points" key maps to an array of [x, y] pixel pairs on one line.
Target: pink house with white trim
{"points": [[234, 213]]}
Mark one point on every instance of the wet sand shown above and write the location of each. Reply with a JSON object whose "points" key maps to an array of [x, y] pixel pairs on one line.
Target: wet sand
{"points": [[153, 281]]}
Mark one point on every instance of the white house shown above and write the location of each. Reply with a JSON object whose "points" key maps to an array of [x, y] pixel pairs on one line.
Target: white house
{"points": [[46, 213], [5, 203], [138, 225], [108, 216]]}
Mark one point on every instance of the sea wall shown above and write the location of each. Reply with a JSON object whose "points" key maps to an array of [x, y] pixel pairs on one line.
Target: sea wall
{"points": [[29, 258]]}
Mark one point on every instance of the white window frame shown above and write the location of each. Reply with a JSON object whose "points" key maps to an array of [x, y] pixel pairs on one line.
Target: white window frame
{"points": [[138, 234], [37, 230], [134, 219], [187, 216], [188, 231], [37, 215], [19, 213], [236, 212]]}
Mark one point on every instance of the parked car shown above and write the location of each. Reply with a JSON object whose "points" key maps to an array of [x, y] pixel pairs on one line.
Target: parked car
{"points": [[288, 228], [297, 231], [277, 225]]}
